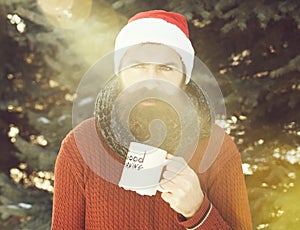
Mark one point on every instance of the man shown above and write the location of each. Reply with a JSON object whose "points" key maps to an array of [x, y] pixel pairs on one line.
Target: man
{"points": [[153, 46]]}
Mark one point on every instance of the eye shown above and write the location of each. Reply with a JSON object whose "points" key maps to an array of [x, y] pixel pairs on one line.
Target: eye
{"points": [[166, 68]]}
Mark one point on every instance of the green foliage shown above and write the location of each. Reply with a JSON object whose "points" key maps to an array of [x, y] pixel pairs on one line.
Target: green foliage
{"points": [[31, 206], [234, 13], [43, 64], [31, 103]]}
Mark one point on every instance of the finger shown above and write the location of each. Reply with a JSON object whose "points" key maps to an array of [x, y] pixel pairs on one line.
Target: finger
{"points": [[167, 197], [176, 179], [169, 156], [169, 175], [173, 177], [167, 185], [175, 166], [175, 158], [171, 200]]}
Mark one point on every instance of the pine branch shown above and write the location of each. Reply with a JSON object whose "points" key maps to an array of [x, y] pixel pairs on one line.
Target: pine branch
{"points": [[34, 17], [37, 158], [10, 196], [293, 65]]}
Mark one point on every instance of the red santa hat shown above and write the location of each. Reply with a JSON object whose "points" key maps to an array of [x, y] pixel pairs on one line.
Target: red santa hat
{"points": [[157, 26]]}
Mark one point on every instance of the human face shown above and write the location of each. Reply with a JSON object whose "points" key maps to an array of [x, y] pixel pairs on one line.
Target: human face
{"points": [[151, 61]]}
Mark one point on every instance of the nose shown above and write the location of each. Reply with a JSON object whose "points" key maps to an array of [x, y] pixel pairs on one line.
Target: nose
{"points": [[153, 71]]}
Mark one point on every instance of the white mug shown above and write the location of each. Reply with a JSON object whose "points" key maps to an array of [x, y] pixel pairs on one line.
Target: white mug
{"points": [[143, 168]]}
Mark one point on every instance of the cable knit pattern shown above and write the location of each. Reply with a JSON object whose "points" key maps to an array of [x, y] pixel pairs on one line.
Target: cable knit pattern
{"points": [[84, 200]]}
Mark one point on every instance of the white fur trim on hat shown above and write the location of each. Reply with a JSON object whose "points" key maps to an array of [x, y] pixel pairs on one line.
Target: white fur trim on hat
{"points": [[154, 30]]}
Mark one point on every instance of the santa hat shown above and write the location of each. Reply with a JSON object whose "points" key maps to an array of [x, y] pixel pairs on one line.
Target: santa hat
{"points": [[157, 26]]}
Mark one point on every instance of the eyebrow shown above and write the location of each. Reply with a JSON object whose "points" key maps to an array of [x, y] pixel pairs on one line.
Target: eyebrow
{"points": [[171, 64], [157, 63]]}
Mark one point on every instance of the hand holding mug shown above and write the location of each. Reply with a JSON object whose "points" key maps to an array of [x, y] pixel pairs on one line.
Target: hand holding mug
{"points": [[184, 193]]}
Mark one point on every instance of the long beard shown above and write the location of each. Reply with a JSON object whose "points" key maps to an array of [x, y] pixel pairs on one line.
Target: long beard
{"points": [[156, 123], [151, 120]]}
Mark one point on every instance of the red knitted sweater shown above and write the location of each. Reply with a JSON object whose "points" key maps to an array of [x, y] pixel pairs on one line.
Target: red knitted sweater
{"points": [[84, 200]]}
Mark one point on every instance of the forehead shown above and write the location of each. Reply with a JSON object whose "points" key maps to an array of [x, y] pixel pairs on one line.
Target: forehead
{"points": [[151, 53]]}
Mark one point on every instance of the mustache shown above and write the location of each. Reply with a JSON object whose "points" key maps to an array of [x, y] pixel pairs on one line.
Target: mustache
{"points": [[154, 86], [148, 97]]}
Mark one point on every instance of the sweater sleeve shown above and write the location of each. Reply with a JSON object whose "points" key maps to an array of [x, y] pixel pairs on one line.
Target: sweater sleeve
{"points": [[68, 199], [207, 217], [225, 206]]}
